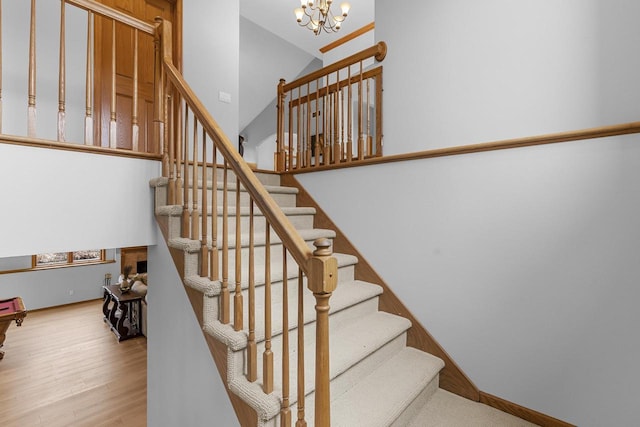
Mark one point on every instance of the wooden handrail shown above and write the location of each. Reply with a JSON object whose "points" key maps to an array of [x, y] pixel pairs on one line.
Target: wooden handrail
{"points": [[378, 51], [529, 141], [106, 11], [279, 222]]}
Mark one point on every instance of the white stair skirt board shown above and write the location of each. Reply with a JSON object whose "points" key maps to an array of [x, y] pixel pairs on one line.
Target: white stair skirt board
{"points": [[376, 380]]}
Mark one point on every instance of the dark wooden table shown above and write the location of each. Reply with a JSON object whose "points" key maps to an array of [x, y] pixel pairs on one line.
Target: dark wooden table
{"points": [[122, 312], [10, 310]]}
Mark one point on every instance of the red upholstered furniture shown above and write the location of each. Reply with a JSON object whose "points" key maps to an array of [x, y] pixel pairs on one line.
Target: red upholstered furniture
{"points": [[10, 310]]}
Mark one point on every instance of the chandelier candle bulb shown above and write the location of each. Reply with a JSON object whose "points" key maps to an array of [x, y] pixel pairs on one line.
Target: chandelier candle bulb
{"points": [[319, 16]]}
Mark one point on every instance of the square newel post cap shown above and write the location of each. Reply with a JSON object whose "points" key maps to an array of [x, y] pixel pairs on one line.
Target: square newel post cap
{"points": [[323, 278]]}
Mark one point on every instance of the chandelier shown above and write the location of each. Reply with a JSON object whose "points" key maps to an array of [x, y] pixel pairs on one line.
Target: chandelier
{"points": [[317, 16]]}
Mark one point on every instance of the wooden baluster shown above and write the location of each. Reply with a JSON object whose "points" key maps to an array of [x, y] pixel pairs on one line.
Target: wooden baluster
{"points": [[342, 144], [267, 357], [379, 115], [224, 292], [369, 139], [135, 128], [252, 351], [237, 297], [299, 132], [280, 157], [285, 412], [323, 280], [158, 114], [349, 119], [194, 184], [291, 162], [88, 116], [336, 121], [169, 136], [214, 261], [113, 127], [316, 148], [177, 134], [301, 391], [204, 249], [308, 145], [185, 190], [31, 110], [326, 129], [0, 66], [61, 74], [360, 134]]}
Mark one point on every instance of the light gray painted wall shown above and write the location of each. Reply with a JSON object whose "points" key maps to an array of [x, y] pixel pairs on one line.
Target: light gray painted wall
{"points": [[64, 201], [522, 263], [48, 288], [500, 69], [183, 385]]}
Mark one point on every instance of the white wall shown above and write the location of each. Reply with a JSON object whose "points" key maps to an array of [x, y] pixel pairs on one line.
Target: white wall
{"points": [[522, 263], [57, 201], [467, 72], [183, 385]]}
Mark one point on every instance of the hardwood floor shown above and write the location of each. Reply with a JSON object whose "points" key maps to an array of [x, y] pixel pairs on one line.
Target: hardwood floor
{"points": [[64, 367]]}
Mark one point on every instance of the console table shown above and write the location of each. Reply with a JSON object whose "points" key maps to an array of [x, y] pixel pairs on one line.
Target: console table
{"points": [[122, 312]]}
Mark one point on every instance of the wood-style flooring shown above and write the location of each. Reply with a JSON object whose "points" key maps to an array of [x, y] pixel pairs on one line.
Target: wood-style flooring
{"points": [[64, 367]]}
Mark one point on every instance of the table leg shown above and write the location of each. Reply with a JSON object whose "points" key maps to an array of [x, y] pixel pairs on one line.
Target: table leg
{"points": [[105, 306], [123, 330]]}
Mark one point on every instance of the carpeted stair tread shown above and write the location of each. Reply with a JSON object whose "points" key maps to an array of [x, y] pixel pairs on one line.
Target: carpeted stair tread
{"points": [[348, 295], [379, 398], [176, 210], [212, 287], [447, 409]]}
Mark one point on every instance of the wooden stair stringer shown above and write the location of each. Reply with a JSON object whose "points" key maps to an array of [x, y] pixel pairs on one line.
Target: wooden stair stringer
{"points": [[452, 378]]}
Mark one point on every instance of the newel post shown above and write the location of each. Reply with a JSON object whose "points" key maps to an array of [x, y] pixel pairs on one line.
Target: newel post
{"points": [[323, 280], [280, 151]]}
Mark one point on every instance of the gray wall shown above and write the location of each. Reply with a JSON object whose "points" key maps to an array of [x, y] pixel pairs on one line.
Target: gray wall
{"points": [[183, 385], [522, 263]]}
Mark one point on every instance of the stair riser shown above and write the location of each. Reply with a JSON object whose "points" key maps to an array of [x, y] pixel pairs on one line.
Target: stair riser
{"points": [[346, 380], [300, 222], [344, 274], [265, 178], [285, 200], [418, 403]]}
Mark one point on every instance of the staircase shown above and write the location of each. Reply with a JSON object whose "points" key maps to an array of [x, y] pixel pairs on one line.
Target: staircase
{"points": [[376, 379]]}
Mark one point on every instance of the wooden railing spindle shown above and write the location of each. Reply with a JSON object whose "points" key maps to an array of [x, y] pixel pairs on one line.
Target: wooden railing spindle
{"points": [[308, 141], [336, 121], [185, 164], [204, 248], [135, 128], [267, 357], [369, 140], [88, 117], [349, 120], [194, 184], [31, 110], [316, 148], [285, 412], [214, 259], [177, 135], [379, 115], [252, 350], [225, 302], [301, 390], [61, 74], [237, 297], [360, 135], [113, 127], [298, 133]]}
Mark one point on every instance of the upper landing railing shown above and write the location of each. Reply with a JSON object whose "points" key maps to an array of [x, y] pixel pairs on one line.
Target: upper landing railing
{"points": [[331, 116], [104, 93]]}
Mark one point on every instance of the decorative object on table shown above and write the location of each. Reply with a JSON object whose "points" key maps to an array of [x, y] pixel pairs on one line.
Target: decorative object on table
{"points": [[107, 279], [125, 283]]}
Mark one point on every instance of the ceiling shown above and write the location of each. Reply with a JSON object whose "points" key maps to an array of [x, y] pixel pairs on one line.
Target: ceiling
{"points": [[277, 17]]}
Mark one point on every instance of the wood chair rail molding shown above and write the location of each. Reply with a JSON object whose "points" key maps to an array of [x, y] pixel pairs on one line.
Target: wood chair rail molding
{"points": [[346, 39], [552, 138], [452, 378]]}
